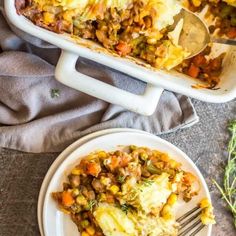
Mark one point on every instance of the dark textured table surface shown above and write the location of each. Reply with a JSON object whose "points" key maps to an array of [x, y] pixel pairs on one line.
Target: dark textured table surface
{"points": [[205, 142]]}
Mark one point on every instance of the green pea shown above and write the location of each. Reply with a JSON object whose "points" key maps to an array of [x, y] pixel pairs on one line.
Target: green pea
{"points": [[233, 21], [132, 147], [226, 10], [84, 223], [152, 169], [143, 156]]}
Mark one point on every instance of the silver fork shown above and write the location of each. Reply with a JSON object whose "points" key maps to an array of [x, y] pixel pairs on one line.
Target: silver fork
{"points": [[190, 222]]}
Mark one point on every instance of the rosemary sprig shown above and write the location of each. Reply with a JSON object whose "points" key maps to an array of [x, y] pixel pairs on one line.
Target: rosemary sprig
{"points": [[121, 179], [55, 93], [228, 191], [147, 182], [91, 204]]}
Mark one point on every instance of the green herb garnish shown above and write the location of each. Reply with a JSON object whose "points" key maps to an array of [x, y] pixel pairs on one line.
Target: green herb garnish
{"points": [[55, 93], [121, 179], [147, 182], [91, 204], [228, 190], [125, 208]]}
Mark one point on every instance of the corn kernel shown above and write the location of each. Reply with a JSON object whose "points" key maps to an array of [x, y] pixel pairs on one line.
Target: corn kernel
{"points": [[207, 216], [167, 216], [90, 230], [84, 223], [48, 17], [75, 171], [173, 164], [151, 41], [172, 199], [196, 3], [75, 192], [204, 203], [143, 156], [105, 181], [67, 15], [102, 154], [81, 200], [103, 197], [156, 34], [84, 233], [165, 210], [114, 189]]}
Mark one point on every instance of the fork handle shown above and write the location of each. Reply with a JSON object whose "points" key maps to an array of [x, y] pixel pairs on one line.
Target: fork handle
{"points": [[224, 41]]}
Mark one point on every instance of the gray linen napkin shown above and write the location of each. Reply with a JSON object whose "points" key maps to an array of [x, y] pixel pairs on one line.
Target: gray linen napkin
{"points": [[33, 120]]}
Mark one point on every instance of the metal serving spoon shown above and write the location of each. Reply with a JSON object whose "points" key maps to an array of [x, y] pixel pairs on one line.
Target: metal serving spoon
{"points": [[195, 35]]}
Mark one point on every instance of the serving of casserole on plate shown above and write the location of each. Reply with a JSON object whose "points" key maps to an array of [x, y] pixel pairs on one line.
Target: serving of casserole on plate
{"points": [[105, 187], [132, 36], [132, 192]]}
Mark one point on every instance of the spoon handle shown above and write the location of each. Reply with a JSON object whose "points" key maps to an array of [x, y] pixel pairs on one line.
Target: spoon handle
{"points": [[224, 41]]}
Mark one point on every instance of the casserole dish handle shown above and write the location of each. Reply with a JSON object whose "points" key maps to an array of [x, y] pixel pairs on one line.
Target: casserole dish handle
{"points": [[67, 74]]}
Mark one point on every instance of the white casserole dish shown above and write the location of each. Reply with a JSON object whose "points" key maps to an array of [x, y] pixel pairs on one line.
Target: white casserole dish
{"points": [[157, 80]]}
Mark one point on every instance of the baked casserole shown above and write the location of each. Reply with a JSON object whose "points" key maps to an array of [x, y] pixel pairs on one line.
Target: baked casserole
{"points": [[135, 28]]}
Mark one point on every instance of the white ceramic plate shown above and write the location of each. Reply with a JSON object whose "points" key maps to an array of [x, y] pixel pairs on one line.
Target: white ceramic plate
{"points": [[61, 157], [59, 224]]}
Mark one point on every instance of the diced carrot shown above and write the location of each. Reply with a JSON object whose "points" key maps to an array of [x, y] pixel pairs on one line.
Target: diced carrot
{"points": [[154, 159], [189, 178], [123, 48], [193, 71], [199, 60], [173, 164], [67, 199], [124, 160], [110, 198], [231, 33], [164, 157], [93, 168]]}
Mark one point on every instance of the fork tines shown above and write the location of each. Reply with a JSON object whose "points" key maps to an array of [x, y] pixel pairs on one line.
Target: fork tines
{"points": [[190, 223]]}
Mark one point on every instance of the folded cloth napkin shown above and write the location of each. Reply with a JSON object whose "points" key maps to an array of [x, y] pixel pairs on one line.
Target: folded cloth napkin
{"points": [[38, 114]]}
